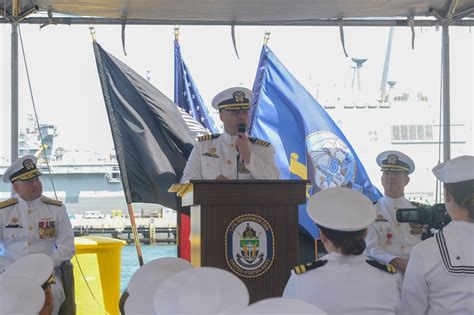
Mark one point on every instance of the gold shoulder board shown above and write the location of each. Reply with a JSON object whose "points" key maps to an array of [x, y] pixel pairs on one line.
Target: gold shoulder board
{"points": [[387, 268], [309, 266], [8, 202], [53, 202], [259, 142], [208, 137]]}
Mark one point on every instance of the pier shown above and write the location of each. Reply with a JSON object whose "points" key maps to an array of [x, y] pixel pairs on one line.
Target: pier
{"points": [[150, 230]]}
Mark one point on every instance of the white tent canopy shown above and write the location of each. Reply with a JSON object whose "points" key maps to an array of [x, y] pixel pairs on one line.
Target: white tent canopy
{"points": [[240, 12], [249, 12]]}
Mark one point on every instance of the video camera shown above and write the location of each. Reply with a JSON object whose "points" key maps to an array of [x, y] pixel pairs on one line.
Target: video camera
{"points": [[434, 217]]}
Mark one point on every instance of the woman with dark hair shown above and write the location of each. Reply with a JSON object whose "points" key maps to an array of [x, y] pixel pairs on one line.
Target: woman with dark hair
{"points": [[344, 281], [440, 273]]}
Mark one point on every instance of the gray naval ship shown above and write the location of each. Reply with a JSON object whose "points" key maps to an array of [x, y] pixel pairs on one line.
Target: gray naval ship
{"points": [[402, 118], [84, 180]]}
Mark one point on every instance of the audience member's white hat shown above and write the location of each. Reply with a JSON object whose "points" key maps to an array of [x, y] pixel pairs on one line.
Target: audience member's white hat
{"points": [[235, 98], [341, 209], [395, 161], [282, 306], [204, 290], [37, 267], [24, 168], [456, 170], [20, 295], [145, 280]]}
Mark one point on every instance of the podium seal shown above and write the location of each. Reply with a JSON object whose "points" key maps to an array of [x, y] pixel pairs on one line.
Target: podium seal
{"points": [[249, 246]]}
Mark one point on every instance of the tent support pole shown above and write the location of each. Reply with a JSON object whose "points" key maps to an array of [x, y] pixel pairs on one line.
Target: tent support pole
{"points": [[14, 92], [445, 91]]}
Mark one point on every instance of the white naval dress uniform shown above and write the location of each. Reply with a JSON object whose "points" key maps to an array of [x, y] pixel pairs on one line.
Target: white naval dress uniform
{"points": [[216, 155], [440, 275], [386, 238], [38, 226], [347, 285]]}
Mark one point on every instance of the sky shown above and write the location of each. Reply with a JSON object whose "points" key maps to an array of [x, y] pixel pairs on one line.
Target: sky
{"points": [[67, 91]]}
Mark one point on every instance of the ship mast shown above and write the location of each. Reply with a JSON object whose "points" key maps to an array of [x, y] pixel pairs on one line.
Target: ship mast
{"points": [[383, 83]]}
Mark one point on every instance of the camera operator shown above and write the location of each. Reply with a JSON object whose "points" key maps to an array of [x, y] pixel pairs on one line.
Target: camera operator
{"points": [[389, 241], [440, 275]]}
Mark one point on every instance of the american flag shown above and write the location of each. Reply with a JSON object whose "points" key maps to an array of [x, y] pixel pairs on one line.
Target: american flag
{"points": [[186, 94]]}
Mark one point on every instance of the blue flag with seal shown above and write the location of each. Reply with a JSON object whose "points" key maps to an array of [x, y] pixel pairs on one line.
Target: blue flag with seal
{"points": [[308, 143], [186, 94]]}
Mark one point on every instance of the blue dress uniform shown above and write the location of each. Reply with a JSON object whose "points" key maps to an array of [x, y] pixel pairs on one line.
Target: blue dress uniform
{"points": [[37, 226], [388, 239], [440, 274], [342, 283]]}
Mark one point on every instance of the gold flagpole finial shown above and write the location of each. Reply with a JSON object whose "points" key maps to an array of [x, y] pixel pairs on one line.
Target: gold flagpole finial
{"points": [[267, 37], [92, 31], [176, 32]]}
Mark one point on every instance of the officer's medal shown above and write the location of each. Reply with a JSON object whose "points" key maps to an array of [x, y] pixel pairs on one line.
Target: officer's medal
{"points": [[389, 237]]}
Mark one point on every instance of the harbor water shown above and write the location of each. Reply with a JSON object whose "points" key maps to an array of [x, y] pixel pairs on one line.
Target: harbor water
{"points": [[150, 252]]}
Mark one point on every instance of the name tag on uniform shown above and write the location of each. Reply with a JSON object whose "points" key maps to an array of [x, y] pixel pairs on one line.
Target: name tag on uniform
{"points": [[46, 229], [13, 226], [213, 155]]}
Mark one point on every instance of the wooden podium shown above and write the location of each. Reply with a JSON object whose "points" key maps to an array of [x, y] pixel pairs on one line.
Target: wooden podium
{"points": [[249, 228]]}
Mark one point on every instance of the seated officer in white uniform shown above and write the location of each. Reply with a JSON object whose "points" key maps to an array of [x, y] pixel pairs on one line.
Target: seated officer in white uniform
{"points": [[31, 223], [215, 156], [440, 274], [344, 281], [389, 241]]}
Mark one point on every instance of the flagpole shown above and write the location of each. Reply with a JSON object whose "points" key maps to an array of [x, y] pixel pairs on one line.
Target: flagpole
{"points": [[92, 31], [135, 234], [176, 32], [266, 38]]}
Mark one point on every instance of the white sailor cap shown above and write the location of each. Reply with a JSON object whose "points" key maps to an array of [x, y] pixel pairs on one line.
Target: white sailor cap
{"points": [[144, 281], [20, 295], [456, 170], [281, 305], [36, 267], [395, 161], [235, 98], [204, 290], [23, 168], [341, 209]]}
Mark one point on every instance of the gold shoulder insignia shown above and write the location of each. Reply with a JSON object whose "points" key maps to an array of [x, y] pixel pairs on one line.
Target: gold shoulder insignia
{"points": [[259, 142], [53, 202], [8, 202], [208, 137], [309, 266], [387, 268]]}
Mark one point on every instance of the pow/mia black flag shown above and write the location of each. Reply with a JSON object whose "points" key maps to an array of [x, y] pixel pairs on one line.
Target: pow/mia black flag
{"points": [[153, 138]]}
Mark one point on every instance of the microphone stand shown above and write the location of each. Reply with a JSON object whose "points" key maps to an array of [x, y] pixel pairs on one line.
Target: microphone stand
{"points": [[241, 129], [237, 164]]}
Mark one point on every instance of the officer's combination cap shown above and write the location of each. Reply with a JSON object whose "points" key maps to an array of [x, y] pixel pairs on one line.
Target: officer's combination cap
{"points": [[395, 161], [235, 98], [341, 209], [22, 169]]}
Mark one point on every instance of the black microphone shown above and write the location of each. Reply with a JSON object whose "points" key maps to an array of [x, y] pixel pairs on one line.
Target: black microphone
{"points": [[240, 129]]}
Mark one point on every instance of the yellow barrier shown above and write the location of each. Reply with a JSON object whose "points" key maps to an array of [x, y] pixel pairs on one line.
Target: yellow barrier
{"points": [[97, 274]]}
